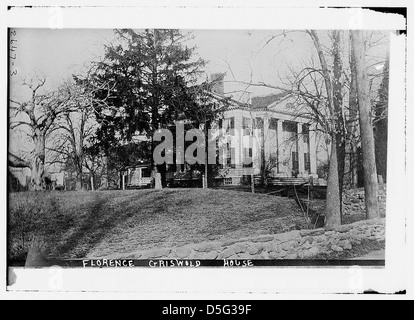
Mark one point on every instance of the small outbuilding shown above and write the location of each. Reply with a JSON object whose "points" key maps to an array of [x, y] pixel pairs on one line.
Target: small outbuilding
{"points": [[135, 177]]}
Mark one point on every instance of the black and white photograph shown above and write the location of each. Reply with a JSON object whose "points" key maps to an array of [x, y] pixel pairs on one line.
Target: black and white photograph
{"points": [[200, 148]]}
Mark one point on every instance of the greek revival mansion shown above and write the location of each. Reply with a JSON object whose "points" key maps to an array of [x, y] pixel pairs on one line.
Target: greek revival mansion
{"points": [[264, 134], [283, 143]]}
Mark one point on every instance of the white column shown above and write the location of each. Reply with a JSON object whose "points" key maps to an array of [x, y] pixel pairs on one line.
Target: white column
{"points": [[301, 157], [237, 139], [266, 137], [280, 146], [312, 151], [256, 150]]}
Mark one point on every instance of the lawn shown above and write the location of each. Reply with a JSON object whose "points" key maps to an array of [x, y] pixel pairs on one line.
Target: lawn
{"points": [[95, 223]]}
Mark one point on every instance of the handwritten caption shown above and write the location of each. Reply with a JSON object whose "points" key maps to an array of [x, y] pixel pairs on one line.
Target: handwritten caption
{"points": [[109, 263], [12, 52], [127, 263]]}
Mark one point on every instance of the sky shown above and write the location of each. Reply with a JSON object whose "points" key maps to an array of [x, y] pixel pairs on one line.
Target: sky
{"points": [[54, 54], [241, 54], [244, 55]]}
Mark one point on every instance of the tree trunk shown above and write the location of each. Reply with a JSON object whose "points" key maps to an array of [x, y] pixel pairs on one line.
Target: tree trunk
{"points": [[365, 123], [37, 179], [333, 202], [333, 206], [104, 176], [263, 159], [79, 173], [162, 170], [78, 184], [206, 139], [338, 108], [92, 183], [37, 165], [206, 174], [352, 124]]}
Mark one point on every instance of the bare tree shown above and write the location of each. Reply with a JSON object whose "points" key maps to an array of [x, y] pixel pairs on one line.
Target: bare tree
{"points": [[352, 122], [337, 87], [73, 131], [76, 127], [319, 104], [365, 123], [333, 203], [38, 115], [320, 92]]}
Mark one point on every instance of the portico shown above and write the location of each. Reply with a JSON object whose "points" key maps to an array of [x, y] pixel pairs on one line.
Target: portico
{"points": [[285, 140]]}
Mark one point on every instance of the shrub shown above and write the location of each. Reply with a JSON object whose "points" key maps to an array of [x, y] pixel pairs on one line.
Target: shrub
{"points": [[323, 170]]}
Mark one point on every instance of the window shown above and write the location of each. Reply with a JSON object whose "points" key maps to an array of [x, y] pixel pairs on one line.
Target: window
{"points": [[232, 123], [228, 126], [305, 132], [290, 127], [306, 138], [247, 124], [231, 155], [247, 158], [259, 123], [307, 162], [295, 164], [260, 126], [146, 172], [273, 124]]}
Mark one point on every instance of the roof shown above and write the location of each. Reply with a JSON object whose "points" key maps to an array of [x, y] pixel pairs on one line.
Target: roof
{"points": [[257, 103], [16, 162], [232, 103], [279, 103], [262, 102], [139, 165], [271, 102]]}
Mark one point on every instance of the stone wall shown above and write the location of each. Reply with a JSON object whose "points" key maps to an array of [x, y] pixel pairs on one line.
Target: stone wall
{"points": [[297, 244], [353, 200]]}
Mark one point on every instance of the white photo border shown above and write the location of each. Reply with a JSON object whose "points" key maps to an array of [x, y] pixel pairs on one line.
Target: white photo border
{"points": [[213, 283]]}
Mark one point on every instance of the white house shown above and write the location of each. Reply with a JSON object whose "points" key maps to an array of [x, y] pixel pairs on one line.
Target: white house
{"points": [[271, 132]]}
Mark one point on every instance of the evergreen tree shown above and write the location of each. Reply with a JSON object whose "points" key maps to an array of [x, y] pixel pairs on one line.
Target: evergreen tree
{"points": [[149, 73]]}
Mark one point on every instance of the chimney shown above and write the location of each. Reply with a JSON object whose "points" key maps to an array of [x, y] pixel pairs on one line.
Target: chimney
{"points": [[217, 82]]}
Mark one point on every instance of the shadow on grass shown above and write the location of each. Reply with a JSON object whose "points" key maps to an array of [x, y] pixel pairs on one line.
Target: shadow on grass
{"points": [[88, 233], [100, 217], [83, 223], [67, 225]]}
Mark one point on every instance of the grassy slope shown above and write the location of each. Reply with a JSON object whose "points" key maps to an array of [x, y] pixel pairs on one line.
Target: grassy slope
{"points": [[77, 224]]}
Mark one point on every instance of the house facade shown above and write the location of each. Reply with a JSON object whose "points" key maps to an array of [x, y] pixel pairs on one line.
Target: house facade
{"points": [[268, 138], [267, 134]]}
